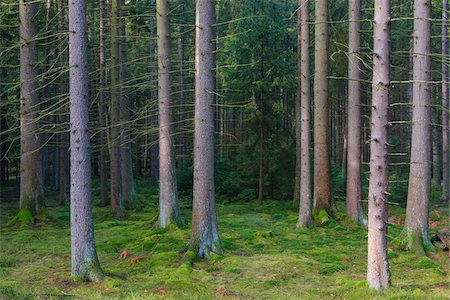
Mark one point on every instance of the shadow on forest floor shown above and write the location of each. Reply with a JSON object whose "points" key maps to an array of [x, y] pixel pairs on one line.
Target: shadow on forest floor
{"points": [[265, 257]]}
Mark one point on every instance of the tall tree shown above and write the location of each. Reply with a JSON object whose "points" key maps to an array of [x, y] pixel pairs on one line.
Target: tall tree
{"points": [[168, 197], [63, 87], [115, 172], [31, 185], [181, 114], [298, 116], [305, 217], [445, 105], [415, 231], [154, 146], [102, 108], [354, 208], [205, 234], [378, 275], [126, 169], [323, 199], [85, 263]]}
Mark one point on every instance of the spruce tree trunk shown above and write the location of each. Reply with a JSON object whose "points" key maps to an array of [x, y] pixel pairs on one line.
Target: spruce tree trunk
{"points": [[103, 109], [354, 208], [305, 215], [205, 235], [126, 169], [378, 275], [115, 171], [63, 89], [154, 148], [31, 185], [323, 199], [168, 197], [415, 232], [445, 107], [181, 116], [85, 263], [436, 149], [298, 117]]}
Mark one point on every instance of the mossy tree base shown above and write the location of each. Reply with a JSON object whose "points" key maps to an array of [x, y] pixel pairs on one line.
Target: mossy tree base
{"points": [[415, 240], [89, 272], [206, 248]]}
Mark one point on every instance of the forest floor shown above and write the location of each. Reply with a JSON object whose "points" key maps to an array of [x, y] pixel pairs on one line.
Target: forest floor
{"points": [[265, 256]]}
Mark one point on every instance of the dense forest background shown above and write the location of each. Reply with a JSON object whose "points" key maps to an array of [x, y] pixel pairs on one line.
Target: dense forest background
{"points": [[257, 52]]}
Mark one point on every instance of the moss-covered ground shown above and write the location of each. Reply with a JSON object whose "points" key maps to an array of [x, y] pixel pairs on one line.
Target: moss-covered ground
{"points": [[265, 257]]}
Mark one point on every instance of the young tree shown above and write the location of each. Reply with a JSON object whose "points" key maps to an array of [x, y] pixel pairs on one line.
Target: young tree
{"points": [[168, 197], [205, 235], [354, 208], [305, 215], [415, 231], [31, 186], [323, 199], [378, 275], [85, 263], [115, 171], [126, 169], [445, 105]]}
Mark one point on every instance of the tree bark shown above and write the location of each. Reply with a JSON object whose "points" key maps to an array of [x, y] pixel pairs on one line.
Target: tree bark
{"points": [[205, 235], [103, 109], [298, 117], [63, 87], [31, 185], [181, 116], [378, 275], [415, 232], [323, 199], [154, 148], [353, 202], [445, 106], [305, 214], [85, 263], [115, 171], [168, 197], [125, 135]]}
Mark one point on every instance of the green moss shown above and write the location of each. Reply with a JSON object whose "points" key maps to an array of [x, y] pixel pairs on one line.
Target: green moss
{"points": [[322, 217], [23, 217], [265, 258]]}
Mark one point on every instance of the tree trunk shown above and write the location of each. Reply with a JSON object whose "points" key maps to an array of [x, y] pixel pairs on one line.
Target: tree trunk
{"points": [[154, 148], [435, 137], [305, 214], [63, 137], [323, 199], [378, 275], [181, 116], [353, 199], [115, 171], [31, 186], [205, 235], [103, 109], [298, 117], [415, 232], [168, 197], [125, 135], [85, 263], [445, 107]]}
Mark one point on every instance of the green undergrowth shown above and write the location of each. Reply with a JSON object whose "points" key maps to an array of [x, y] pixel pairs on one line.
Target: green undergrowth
{"points": [[265, 257]]}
